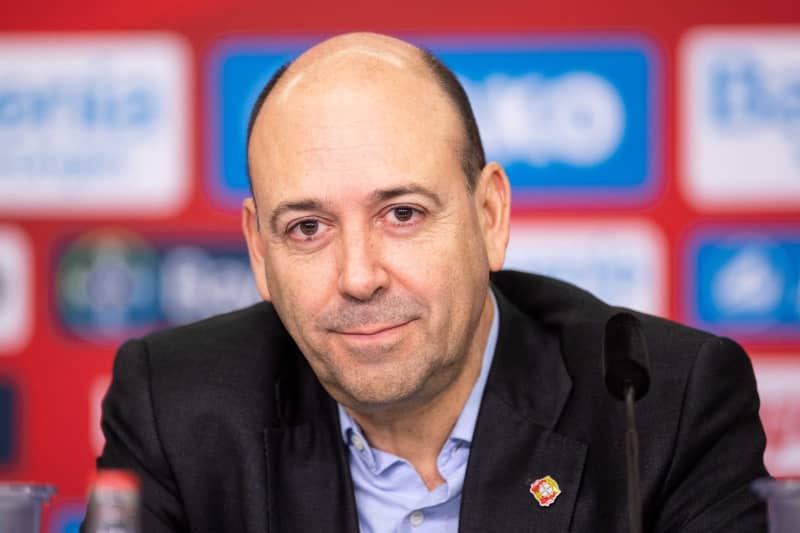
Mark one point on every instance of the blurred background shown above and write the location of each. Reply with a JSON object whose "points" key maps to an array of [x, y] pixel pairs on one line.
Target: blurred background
{"points": [[653, 147]]}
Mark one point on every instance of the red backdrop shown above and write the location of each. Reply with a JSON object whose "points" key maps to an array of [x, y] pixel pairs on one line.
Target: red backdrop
{"points": [[52, 373]]}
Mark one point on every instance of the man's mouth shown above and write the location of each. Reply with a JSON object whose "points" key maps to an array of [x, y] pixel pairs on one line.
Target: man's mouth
{"points": [[373, 331]]}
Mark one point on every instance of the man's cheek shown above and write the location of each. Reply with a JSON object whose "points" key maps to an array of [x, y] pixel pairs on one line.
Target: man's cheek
{"points": [[425, 249], [305, 273]]}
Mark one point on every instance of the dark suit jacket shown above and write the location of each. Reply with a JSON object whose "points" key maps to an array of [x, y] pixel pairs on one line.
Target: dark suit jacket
{"points": [[230, 430]]}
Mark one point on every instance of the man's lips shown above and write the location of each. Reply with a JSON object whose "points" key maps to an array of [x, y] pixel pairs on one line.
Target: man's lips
{"points": [[372, 331]]}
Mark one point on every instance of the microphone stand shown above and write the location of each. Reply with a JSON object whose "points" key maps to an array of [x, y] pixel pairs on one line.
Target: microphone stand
{"points": [[632, 458], [627, 375]]}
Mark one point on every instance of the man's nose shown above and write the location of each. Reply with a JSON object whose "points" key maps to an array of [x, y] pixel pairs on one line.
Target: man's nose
{"points": [[361, 271]]}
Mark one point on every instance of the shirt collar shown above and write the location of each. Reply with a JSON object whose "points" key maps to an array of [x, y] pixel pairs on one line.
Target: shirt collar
{"points": [[465, 425]]}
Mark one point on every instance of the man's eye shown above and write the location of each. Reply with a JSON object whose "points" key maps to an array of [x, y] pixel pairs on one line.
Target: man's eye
{"points": [[309, 227], [403, 213], [305, 228]]}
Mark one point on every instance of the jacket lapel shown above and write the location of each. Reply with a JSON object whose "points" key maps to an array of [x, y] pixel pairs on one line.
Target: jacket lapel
{"points": [[515, 443], [308, 478]]}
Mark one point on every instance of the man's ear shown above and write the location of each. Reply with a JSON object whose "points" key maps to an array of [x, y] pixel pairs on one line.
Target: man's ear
{"points": [[255, 246], [493, 201]]}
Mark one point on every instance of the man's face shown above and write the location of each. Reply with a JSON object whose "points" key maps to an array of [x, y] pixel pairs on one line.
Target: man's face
{"points": [[370, 246]]}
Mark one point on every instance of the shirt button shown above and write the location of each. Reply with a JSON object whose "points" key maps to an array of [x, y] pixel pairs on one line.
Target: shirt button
{"points": [[357, 442], [416, 518]]}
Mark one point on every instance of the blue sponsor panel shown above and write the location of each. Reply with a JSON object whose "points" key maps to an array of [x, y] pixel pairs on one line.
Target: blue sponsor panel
{"points": [[569, 119], [239, 71], [8, 425], [746, 283], [112, 284], [565, 117]]}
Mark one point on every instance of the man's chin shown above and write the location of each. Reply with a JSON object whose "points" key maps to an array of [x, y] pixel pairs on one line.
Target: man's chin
{"points": [[375, 376], [367, 395]]}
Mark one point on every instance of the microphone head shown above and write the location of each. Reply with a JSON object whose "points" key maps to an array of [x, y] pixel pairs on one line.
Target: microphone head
{"points": [[625, 360]]}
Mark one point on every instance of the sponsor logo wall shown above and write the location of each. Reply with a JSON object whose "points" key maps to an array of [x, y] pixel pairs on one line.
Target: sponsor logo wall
{"points": [[741, 146], [569, 119], [93, 124], [622, 262], [112, 283], [122, 171], [746, 281]]}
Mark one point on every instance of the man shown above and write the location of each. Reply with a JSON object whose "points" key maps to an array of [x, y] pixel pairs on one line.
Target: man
{"points": [[388, 385]]}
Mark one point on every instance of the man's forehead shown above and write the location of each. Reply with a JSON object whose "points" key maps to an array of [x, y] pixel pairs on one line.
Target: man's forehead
{"points": [[359, 104]]}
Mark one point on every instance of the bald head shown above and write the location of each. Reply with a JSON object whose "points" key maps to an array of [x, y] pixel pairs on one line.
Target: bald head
{"points": [[352, 54], [370, 64]]}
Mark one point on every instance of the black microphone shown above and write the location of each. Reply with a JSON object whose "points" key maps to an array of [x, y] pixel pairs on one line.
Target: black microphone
{"points": [[626, 370], [625, 360]]}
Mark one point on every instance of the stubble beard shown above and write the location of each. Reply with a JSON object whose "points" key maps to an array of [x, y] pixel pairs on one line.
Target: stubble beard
{"points": [[392, 385]]}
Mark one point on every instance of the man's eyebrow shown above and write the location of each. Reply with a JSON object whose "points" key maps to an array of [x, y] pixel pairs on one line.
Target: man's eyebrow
{"points": [[382, 195], [283, 207]]}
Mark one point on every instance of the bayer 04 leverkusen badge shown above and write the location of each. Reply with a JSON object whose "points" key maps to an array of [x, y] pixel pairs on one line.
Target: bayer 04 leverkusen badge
{"points": [[545, 490]]}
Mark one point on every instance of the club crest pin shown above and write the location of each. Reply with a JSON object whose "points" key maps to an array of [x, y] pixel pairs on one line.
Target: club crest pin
{"points": [[545, 490]]}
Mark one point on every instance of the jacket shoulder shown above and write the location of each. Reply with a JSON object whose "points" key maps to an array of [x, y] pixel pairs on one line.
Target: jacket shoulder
{"points": [[235, 356], [244, 328]]}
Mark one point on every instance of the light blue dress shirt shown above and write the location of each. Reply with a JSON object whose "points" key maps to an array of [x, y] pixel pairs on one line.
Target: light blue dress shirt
{"points": [[390, 495]]}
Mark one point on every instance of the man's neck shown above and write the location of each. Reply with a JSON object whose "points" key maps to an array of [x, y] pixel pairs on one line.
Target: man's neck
{"points": [[417, 433]]}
